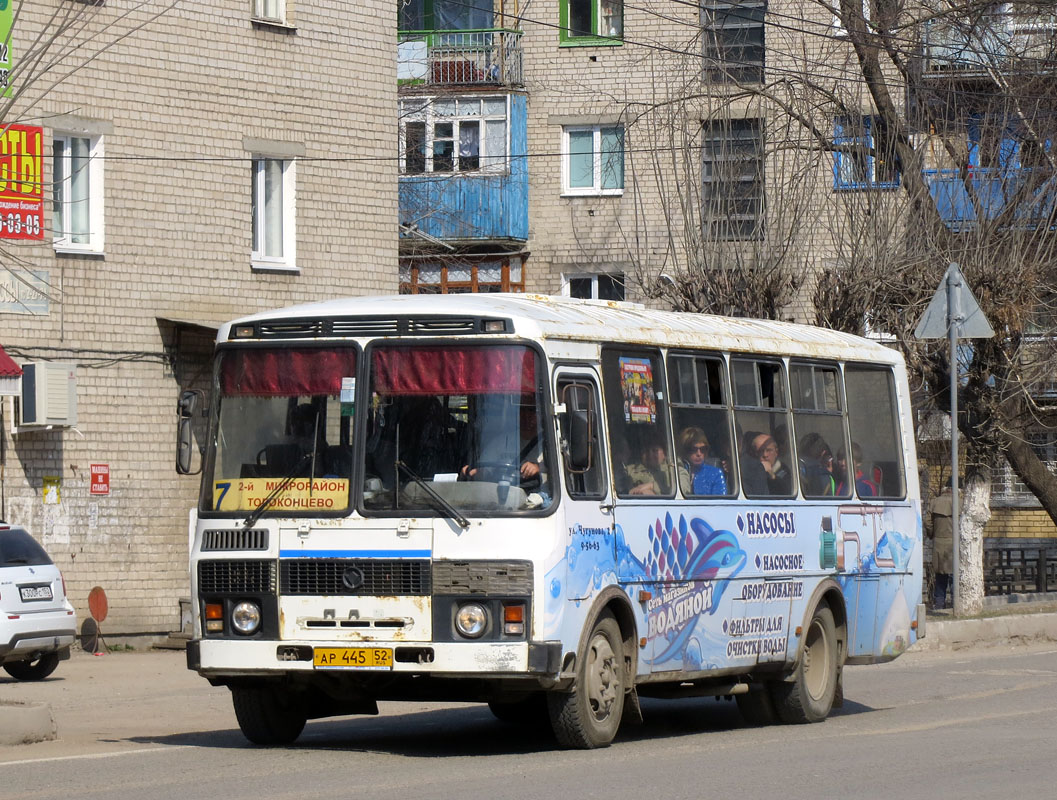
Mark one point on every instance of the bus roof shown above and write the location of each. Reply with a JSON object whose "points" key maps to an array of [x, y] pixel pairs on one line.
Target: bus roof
{"points": [[547, 317]]}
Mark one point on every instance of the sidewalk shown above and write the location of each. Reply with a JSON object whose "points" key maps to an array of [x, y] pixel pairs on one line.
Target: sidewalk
{"points": [[144, 689]]}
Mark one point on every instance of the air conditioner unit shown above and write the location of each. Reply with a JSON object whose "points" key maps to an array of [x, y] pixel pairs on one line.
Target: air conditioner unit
{"points": [[49, 395]]}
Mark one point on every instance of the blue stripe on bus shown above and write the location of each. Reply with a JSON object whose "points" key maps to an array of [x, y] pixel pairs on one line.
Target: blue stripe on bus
{"points": [[355, 553]]}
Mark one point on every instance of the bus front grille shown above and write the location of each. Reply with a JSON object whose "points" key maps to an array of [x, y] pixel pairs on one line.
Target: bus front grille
{"points": [[235, 576], [354, 576]]}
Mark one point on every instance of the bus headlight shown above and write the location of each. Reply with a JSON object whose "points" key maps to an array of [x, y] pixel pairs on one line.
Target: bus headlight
{"points": [[246, 617], [471, 620]]}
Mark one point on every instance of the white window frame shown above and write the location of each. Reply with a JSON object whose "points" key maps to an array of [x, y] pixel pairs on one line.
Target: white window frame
{"points": [[567, 280], [595, 190], [260, 11], [424, 110], [287, 261], [61, 181]]}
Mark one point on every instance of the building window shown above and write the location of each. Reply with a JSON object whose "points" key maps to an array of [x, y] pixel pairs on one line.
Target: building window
{"points": [[273, 214], [732, 33], [602, 286], [453, 134], [591, 21], [445, 15], [865, 158], [77, 193], [270, 10], [463, 275], [593, 160], [732, 179]]}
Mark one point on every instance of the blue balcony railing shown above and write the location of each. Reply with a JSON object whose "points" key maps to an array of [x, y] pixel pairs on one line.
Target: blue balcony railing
{"points": [[460, 58], [1028, 195]]}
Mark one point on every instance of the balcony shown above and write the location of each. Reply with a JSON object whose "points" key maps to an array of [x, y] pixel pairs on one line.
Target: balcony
{"points": [[489, 57], [996, 43], [1028, 195], [472, 207]]}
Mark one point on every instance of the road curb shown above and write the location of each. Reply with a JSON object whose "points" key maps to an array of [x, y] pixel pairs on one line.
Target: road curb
{"points": [[958, 633], [25, 723]]}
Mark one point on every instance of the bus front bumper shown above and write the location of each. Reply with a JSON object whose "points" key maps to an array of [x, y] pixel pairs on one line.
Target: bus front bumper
{"points": [[233, 657]]}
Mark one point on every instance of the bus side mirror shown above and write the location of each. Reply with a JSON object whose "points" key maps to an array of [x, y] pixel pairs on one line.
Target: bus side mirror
{"points": [[185, 407], [578, 427]]}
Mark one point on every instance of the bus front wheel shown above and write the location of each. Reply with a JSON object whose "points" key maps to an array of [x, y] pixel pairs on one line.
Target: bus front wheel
{"points": [[589, 715], [266, 716], [809, 696]]}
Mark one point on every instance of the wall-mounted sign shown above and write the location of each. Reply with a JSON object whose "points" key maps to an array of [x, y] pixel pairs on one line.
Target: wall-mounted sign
{"points": [[21, 182], [24, 292], [100, 474]]}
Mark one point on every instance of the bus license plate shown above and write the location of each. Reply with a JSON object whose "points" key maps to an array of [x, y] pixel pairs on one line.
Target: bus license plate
{"points": [[29, 593], [352, 658]]}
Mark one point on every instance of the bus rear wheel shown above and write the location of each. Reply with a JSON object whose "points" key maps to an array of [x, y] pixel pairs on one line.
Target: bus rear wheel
{"points": [[809, 696], [589, 716], [266, 716]]}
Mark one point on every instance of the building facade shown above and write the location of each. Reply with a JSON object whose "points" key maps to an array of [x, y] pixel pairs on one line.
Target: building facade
{"points": [[199, 162]]}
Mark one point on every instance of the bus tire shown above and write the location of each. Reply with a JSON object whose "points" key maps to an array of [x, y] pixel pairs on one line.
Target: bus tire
{"points": [[589, 715], [756, 706], [809, 696], [267, 717]]}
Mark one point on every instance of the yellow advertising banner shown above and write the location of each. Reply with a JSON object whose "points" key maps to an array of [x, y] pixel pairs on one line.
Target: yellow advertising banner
{"points": [[302, 494]]}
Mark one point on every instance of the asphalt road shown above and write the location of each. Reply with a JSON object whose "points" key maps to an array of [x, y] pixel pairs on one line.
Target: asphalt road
{"points": [[976, 723]]}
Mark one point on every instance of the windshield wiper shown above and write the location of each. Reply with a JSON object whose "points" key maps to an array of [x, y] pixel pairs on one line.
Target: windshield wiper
{"points": [[278, 490], [441, 504]]}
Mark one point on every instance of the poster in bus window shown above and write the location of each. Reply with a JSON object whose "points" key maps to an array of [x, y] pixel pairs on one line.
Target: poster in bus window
{"points": [[636, 383]]}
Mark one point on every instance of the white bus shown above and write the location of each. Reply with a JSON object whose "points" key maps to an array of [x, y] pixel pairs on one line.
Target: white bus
{"points": [[553, 506]]}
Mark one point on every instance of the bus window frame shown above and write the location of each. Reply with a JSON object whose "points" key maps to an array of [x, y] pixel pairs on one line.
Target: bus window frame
{"points": [[782, 363], [841, 413], [657, 355], [363, 397], [734, 477], [897, 412], [578, 374]]}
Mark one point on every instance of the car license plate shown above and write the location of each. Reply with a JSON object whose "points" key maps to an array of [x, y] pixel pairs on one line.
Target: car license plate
{"points": [[30, 593], [352, 658]]}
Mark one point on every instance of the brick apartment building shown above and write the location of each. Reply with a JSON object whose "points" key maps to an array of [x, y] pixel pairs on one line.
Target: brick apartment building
{"points": [[220, 159]]}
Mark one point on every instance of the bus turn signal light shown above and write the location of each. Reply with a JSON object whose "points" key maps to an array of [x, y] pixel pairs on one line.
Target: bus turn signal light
{"points": [[514, 619], [214, 617]]}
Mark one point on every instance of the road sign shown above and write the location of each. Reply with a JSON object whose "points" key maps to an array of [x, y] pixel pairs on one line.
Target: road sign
{"points": [[954, 304]]}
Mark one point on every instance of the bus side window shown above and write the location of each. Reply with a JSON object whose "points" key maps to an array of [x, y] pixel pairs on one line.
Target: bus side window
{"points": [[633, 385], [701, 421], [761, 411], [874, 421], [818, 419], [581, 442]]}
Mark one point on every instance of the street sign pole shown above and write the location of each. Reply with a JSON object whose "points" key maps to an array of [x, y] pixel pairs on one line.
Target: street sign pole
{"points": [[954, 314], [954, 284]]}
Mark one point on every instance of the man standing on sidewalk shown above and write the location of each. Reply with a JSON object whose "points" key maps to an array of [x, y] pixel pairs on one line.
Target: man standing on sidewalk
{"points": [[942, 509]]}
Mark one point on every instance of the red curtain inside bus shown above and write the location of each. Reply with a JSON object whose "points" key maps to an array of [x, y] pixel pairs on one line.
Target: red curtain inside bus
{"points": [[286, 373], [446, 370]]}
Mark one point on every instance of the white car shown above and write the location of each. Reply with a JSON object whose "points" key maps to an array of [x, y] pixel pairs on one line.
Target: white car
{"points": [[37, 622]]}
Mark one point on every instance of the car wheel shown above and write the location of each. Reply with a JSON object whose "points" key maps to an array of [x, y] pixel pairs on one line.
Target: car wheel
{"points": [[33, 669]]}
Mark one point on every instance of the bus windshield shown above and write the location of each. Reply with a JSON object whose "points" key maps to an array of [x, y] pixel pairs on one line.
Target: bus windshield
{"points": [[285, 416], [456, 426]]}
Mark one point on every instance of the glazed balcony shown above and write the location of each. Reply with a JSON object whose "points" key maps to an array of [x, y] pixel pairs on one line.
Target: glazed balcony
{"points": [[485, 57]]}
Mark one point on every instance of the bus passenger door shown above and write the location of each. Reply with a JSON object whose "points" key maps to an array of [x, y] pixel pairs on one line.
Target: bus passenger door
{"points": [[590, 547], [857, 570]]}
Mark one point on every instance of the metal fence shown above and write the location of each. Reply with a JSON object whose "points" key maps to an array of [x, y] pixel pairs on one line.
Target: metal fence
{"points": [[460, 58]]}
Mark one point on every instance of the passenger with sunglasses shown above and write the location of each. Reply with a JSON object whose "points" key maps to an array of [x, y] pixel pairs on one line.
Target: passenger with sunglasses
{"points": [[700, 474]]}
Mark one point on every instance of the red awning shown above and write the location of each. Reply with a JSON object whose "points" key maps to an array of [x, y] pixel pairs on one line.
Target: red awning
{"points": [[8, 368]]}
